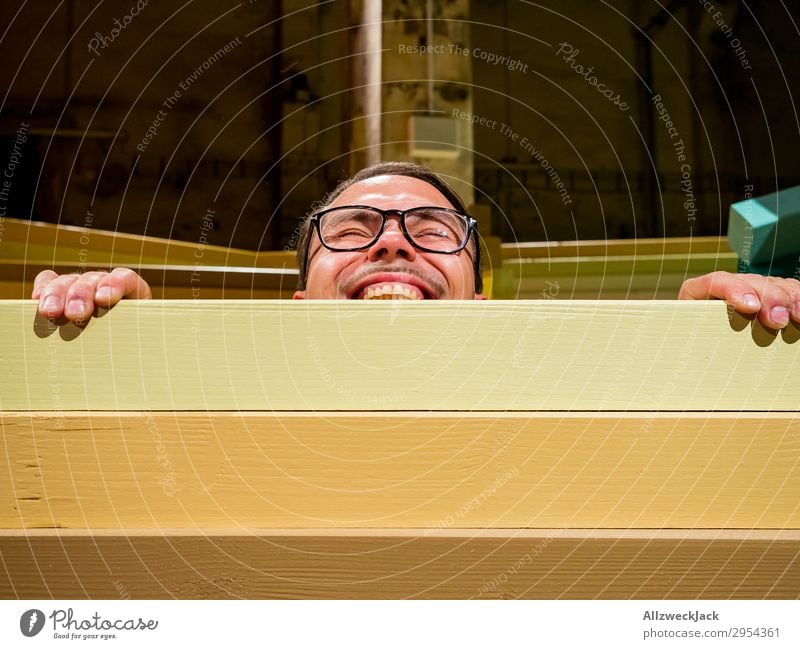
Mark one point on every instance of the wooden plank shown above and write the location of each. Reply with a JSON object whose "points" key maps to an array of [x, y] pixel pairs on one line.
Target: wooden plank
{"points": [[65, 244], [685, 246], [170, 282], [384, 564], [628, 265], [571, 282], [638, 269], [444, 355], [419, 470]]}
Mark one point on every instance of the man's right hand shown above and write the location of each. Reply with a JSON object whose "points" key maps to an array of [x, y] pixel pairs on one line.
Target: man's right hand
{"points": [[75, 296]]}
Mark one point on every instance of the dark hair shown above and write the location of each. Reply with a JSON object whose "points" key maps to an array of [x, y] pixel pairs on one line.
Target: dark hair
{"points": [[383, 169]]}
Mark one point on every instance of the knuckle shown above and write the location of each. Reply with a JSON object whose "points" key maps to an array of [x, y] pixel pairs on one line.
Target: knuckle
{"points": [[49, 291], [66, 280], [79, 289], [777, 294], [44, 276], [92, 275], [123, 273], [721, 279]]}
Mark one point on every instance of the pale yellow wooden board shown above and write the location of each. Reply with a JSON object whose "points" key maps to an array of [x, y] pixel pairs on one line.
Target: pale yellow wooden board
{"points": [[352, 355], [64, 244], [605, 247], [423, 470], [174, 282], [640, 276], [382, 564]]}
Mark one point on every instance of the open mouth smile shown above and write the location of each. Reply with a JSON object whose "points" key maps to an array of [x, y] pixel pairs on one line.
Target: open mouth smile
{"points": [[392, 286], [391, 292]]}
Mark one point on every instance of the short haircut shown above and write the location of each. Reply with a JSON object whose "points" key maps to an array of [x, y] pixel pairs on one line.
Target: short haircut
{"points": [[383, 169]]}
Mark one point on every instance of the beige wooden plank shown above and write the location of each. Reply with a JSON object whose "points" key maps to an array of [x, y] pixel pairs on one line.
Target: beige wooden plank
{"points": [[604, 277], [629, 265], [382, 564], [606, 247], [423, 470], [355, 355], [26, 240], [172, 282]]}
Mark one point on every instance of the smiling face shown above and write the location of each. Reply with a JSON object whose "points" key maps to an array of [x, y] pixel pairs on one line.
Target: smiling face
{"points": [[391, 268]]}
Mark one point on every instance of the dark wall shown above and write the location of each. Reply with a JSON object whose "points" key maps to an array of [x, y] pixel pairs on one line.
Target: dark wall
{"points": [[163, 112], [727, 79], [265, 128]]}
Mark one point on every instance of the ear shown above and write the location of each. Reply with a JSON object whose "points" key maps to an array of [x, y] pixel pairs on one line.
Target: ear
{"points": [[299, 295], [480, 296]]}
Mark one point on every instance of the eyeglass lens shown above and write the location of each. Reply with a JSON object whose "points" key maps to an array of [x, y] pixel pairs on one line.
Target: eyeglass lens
{"points": [[431, 228]]}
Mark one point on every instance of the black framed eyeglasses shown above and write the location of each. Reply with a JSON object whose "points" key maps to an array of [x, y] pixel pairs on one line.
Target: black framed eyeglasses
{"points": [[358, 227]]}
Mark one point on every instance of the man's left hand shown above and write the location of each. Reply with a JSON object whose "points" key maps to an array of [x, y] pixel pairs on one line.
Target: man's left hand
{"points": [[776, 300]]}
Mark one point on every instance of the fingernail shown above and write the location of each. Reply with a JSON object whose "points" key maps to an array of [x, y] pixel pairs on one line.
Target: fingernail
{"points": [[751, 301], [50, 304], [103, 293], [77, 306], [797, 309], [779, 315]]}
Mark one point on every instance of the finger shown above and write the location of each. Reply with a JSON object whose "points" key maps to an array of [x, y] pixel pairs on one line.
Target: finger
{"points": [[781, 300], [734, 289], [42, 280], [794, 291], [52, 295], [79, 300], [775, 310], [121, 283]]}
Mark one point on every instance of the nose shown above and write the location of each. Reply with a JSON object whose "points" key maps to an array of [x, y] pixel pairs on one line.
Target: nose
{"points": [[392, 244]]}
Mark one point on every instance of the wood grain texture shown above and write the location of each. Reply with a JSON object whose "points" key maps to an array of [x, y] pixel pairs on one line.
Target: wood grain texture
{"points": [[33, 241], [353, 355], [608, 247], [611, 277], [421, 470], [623, 269], [169, 282], [383, 564]]}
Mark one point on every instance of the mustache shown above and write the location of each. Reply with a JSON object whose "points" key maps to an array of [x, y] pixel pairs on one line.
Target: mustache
{"points": [[436, 286]]}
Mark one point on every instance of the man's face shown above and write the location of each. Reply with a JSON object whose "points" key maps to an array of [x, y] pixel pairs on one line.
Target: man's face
{"points": [[391, 266]]}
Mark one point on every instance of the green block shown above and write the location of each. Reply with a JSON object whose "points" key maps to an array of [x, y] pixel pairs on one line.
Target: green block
{"points": [[782, 267], [766, 228]]}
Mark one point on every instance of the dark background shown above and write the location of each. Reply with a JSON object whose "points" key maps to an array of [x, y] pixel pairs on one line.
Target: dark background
{"points": [[267, 128]]}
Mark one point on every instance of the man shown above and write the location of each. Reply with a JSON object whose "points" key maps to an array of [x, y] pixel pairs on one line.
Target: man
{"points": [[371, 239]]}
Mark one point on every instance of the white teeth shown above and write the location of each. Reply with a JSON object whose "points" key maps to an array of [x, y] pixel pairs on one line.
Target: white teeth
{"points": [[390, 292]]}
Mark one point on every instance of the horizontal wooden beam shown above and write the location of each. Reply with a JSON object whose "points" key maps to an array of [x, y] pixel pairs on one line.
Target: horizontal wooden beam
{"points": [[685, 246], [432, 355], [560, 285], [610, 277], [25, 240], [621, 269], [629, 266], [172, 282], [382, 564], [418, 470]]}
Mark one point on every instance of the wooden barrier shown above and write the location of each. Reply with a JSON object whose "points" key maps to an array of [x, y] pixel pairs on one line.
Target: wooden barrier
{"points": [[453, 449], [622, 269], [168, 281], [174, 269]]}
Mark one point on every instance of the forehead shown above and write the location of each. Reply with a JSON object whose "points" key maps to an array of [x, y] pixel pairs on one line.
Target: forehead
{"points": [[392, 192]]}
